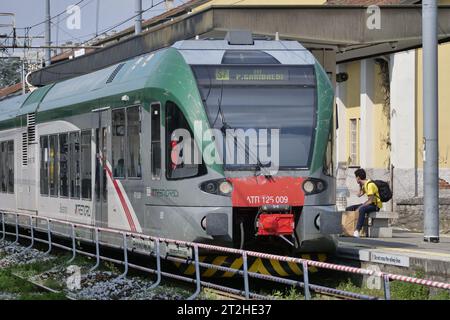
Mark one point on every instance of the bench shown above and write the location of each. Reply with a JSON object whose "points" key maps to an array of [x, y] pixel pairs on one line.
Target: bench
{"points": [[378, 224]]}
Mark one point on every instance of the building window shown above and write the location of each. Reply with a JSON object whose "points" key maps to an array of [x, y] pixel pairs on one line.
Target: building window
{"points": [[177, 166], [354, 142], [53, 165], [118, 143], [44, 165], [156, 141], [74, 152], [133, 133], [64, 165], [86, 165]]}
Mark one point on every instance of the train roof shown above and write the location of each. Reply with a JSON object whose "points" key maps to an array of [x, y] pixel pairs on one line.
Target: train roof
{"points": [[135, 74], [213, 51], [10, 107]]}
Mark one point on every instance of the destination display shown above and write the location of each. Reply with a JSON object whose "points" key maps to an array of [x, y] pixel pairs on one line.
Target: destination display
{"points": [[224, 75], [248, 74]]}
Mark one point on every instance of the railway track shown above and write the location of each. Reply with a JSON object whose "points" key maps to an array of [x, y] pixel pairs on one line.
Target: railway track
{"points": [[191, 284], [211, 292]]}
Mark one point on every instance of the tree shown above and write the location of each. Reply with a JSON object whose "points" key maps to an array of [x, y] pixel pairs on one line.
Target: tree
{"points": [[10, 72]]}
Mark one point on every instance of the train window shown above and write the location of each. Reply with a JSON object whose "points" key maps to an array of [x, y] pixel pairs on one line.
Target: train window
{"points": [[176, 166], [53, 165], [248, 57], [156, 141], [3, 186], [74, 155], [86, 165], [10, 161], [133, 135], [328, 159], [97, 165], [118, 143], [64, 165], [44, 165]]}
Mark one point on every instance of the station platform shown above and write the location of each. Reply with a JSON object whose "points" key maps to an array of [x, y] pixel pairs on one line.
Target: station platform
{"points": [[405, 253]]}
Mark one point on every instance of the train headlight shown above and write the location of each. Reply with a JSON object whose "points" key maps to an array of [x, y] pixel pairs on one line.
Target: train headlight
{"points": [[320, 186], [211, 187], [220, 187], [308, 186], [225, 188], [314, 185]]}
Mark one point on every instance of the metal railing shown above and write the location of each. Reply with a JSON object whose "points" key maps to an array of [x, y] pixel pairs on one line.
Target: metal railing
{"points": [[156, 253]]}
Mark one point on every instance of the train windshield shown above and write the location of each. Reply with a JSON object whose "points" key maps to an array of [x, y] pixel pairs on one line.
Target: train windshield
{"points": [[262, 97]]}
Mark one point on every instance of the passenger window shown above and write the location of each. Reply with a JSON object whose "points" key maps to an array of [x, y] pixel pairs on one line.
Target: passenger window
{"points": [[178, 166], [86, 165], [74, 152], [53, 165], [156, 141], [118, 143], [11, 166], [3, 171], [63, 165], [328, 166], [133, 133], [44, 165]]}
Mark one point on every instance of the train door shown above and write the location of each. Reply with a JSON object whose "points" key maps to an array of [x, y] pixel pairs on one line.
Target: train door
{"points": [[101, 158]]}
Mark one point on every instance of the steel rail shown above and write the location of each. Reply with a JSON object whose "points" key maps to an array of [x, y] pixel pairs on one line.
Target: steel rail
{"points": [[386, 277]]}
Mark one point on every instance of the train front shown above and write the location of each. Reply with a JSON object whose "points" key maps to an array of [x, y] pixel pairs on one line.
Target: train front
{"points": [[269, 107]]}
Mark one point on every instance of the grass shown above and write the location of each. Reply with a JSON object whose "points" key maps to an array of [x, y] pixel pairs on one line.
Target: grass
{"points": [[399, 290], [288, 294], [24, 290]]}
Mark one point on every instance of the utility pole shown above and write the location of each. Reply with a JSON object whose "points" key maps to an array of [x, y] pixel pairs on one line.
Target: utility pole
{"points": [[430, 121], [96, 18], [48, 41], [23, 76], [138, 21]]}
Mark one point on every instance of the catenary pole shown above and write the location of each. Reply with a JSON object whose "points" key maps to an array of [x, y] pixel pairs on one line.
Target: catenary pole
{"points": [[48, 41], [430, 121], [138, 21]]}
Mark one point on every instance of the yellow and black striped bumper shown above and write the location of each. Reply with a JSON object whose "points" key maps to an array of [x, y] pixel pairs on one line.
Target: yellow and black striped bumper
{"points": [[256, 265]]}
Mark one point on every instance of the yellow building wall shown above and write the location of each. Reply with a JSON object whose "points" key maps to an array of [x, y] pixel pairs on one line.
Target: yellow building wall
{"points": [[444, 107], [352, 101], [259, 2], [380, 150]]}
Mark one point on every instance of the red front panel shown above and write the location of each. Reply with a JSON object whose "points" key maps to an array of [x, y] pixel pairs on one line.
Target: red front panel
{"points": [[275, 224], [257, 191]]}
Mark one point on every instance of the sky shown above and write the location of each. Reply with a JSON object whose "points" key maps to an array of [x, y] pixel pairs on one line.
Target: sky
{"points": [[111, 12]]}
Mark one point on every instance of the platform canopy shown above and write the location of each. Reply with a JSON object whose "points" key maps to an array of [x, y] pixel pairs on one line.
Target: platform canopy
{"points": [[340, 28]]}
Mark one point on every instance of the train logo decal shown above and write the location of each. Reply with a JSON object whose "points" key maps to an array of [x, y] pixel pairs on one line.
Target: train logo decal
{"points": [[130, 214]]}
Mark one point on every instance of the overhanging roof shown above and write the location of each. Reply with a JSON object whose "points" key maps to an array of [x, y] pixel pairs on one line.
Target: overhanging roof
{"points": [[342, 28]]}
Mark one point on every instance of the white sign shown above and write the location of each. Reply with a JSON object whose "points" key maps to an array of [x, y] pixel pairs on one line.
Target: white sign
{"points": [[391, 259], [79, 53]]}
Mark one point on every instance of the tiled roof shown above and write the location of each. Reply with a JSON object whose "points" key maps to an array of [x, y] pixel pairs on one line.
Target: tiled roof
{"points": [[10, 90]]}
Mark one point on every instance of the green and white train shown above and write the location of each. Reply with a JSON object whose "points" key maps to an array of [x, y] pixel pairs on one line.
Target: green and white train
{"points": [[98, 149]]}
